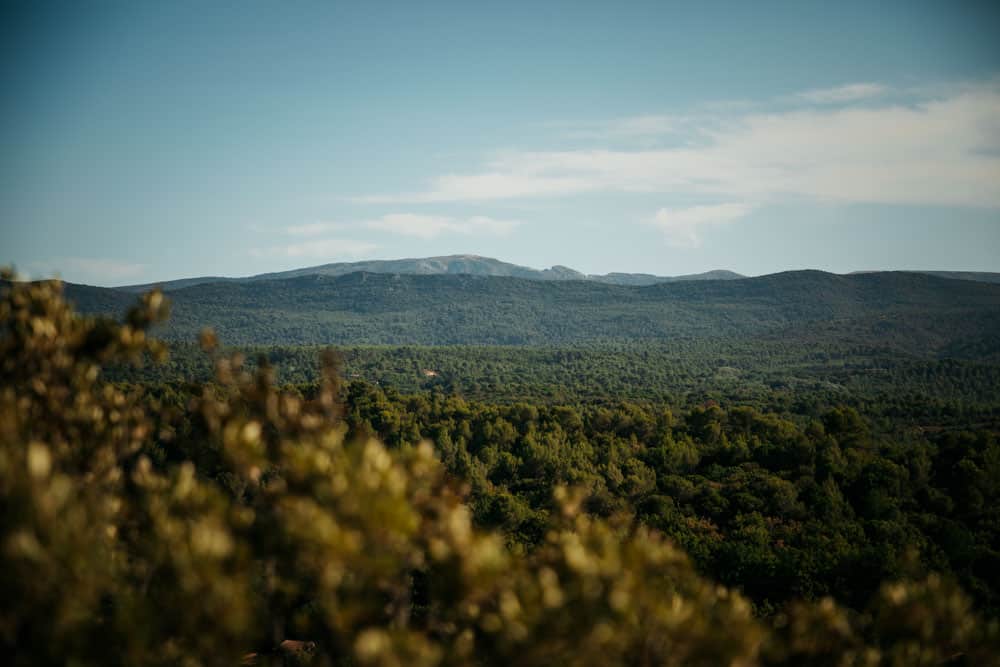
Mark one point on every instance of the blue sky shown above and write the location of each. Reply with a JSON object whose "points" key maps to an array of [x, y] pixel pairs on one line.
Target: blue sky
{"points": [[144, 141]]}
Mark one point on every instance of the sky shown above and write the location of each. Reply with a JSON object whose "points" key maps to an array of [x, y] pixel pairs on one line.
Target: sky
{"points": [[144, 141]]}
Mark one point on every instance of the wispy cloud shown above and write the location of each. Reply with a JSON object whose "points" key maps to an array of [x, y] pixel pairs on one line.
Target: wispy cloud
{"points": [[316, 228], [429, 226], [842, 94], [680, 226], [635, 127], [101, 271], [941, 150], [413, 224], [318, 249]]}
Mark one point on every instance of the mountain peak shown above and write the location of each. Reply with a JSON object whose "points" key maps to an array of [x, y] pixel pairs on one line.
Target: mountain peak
{"points": [[445, 264]]}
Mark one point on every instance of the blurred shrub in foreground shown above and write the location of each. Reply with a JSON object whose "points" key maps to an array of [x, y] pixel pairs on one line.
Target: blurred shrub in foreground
{"points": [[292, 546]]}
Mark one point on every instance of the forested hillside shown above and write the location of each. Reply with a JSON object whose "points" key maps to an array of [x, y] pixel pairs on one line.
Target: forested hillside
{"points": [[906, 311]]}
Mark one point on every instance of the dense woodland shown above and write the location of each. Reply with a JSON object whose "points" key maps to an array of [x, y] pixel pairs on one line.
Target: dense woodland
{"points": [[911, 313], [767, 500], [767, 373], [783, 505]]}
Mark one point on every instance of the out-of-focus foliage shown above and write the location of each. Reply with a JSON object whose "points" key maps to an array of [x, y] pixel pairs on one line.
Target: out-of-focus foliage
{"points": [[258, 535]]}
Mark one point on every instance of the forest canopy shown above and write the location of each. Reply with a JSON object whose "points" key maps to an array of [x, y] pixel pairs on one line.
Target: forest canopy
{"points": [[235, 520]]}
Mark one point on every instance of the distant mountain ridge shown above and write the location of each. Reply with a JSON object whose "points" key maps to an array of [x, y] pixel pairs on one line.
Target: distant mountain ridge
{"points": [[473, 265], [476, 265], [975, 276], [906, 311]]}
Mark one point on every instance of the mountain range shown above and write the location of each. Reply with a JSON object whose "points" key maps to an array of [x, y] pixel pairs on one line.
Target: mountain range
{"points": [[475, 265], [472, 265], [911, 312]]}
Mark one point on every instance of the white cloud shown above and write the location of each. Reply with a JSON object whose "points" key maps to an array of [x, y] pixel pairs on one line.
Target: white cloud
{"points": [[484, 186], [429, 226], [409, 224], [413, 224], [318, 249], [316, 228], [635, 127], [943, 150], [842, 94], [680, 226], [101, 271]]}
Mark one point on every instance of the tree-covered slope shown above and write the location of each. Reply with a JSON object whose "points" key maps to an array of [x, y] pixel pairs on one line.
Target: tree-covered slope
{"points": [[977, 276], [379, 308], [908, 311]]}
